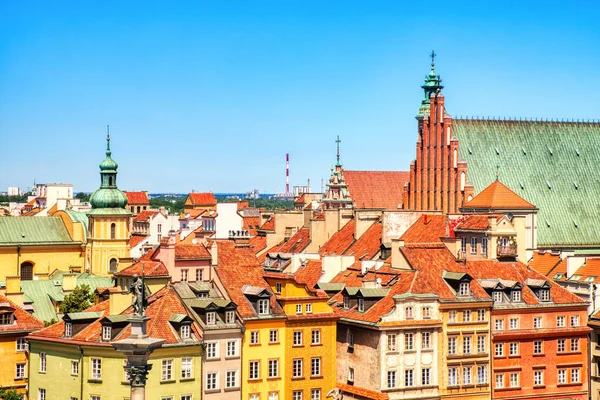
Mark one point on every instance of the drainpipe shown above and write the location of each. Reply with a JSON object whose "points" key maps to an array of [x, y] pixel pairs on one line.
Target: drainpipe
{"points": [[80, 372], [589, 364], [18, 258]]}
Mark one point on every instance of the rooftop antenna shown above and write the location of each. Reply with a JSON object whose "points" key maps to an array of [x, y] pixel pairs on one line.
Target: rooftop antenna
{"points": [[287, 173], [338, 141], [433, 58]]}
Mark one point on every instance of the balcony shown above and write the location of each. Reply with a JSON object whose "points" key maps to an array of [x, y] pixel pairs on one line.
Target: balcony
{"points": [[506, 251]]}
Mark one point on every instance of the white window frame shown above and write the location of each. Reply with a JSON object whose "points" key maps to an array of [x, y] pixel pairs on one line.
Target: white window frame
{"points": [[212, 350], [467, 375], [166, 371], [96, 368], [273, 368], [538, 378], [409, 378], [514, 379], [537, 322], [230, 317], [74, 368], [426, 340], [106, 333], [481, 374], [232, 348], [21, 344], [453, 376], [263, 307], [185, 331], [297, 368], [68, 329], [315, 366], [20, 374], [254, 337], [473, 245], [315, 336], [426, 376], [308, 308], [560, 321], [187, 367], [211, 318], [254, 370], [212, 380], [298, 338], [231, 379]]}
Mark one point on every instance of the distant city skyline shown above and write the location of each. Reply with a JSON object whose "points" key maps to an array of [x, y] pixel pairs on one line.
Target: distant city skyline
{"points": [[211, 96]]}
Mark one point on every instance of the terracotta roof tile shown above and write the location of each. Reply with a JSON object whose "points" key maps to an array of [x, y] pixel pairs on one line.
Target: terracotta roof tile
{"points": [[544, 262], [339, 242], [242, 204], [362, 392], [310, 273], [427, 229], [191, 252], [474, 223], [376, 189], [251, 224], [589, 270], [297, 243], [134, 240], [23, 320], [145, 215], [150, 268], [137, 198], [258, 243], [368, 245], [203, 199], [498, 196], [269, 225]]}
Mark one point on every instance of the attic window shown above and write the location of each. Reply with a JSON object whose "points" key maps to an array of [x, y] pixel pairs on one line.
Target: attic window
{"points": [[185, 331], [464, 289], [68, 329], [544, 294], [408, 312], [558, 276], [6, 318], [106, 333], [263, 306], [346, 302], [590, 279], [229, 317], [361, 305], [211, 317], [575, 277], [497, 296], [515, 296]]}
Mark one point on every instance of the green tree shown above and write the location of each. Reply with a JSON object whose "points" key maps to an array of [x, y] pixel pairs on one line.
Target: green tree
{"points": [[83, 196], [51, 322], [78, 300], [10, 394]]}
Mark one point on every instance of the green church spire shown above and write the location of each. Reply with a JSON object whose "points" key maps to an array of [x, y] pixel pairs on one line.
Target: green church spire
{"points": [[433, 84]]}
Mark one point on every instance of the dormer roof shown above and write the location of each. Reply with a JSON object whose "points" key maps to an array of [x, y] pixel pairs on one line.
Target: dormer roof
{"points": [[498, 196]]}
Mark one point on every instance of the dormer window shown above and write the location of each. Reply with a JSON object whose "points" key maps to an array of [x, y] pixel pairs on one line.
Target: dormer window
{"points": [[408, 312], [544, 294], [68, 329], [230, 317], [361, 305], [464, 289], [346, 302], [6, 318], [515, 296], [263, 306], [498, 296], [106, 333], [185, 331], [558, 276], [211, 318]]}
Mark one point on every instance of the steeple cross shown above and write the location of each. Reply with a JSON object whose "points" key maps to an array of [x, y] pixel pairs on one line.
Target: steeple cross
{"points": [[433, 58], [338, 141]]}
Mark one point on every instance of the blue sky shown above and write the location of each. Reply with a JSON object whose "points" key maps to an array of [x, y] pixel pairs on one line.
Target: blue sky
{"points": [[210, 96]]}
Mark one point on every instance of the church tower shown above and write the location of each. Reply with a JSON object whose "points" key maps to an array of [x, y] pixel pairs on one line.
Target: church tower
{"points": [[337, 195], [108, 233], [437, 176]]}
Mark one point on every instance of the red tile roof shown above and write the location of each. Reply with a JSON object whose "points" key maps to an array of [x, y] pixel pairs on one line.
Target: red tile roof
{"points": [[376, 189], [137, 198], [498, 196], [339, 242], [310, 273], [202, 199], [242, 204], [362, 392], [24, 322], [145, 215], [427, 229], [258, 243], [368, 245], [191, 252], [297, 243], [251, 224], [134, 240], [269, 225], [474, 223], [591, 269], [544, 262], [150, 269]]}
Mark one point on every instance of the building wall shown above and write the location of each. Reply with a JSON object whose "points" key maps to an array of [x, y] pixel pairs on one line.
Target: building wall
{"points": [[101, 248], [364, 353], [222, 364], [10, 358], [227, 219], [45, 259]]}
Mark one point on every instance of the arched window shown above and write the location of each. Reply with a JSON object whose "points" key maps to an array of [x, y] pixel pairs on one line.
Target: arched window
{"points": [[113, 265], [113, 230], [455, 158], [462, 180], [27, 271]]}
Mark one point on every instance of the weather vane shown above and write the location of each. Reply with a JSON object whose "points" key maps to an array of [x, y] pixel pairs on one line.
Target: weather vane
{"points": [[433, 58]]}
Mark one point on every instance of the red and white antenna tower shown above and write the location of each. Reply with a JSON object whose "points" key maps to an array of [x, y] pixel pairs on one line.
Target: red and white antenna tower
{"points": [[287, 173]]}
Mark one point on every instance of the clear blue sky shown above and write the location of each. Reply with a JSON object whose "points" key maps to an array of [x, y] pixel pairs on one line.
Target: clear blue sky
{"points": [[211, 95]]}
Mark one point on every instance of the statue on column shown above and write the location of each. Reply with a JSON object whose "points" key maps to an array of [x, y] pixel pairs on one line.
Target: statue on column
{"points": [[140, 301]]}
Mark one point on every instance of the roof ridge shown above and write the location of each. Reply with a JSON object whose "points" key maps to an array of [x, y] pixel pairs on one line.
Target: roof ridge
{"points": [[526, 119]]}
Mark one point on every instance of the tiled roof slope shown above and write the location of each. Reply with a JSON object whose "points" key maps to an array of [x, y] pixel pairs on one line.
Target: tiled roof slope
{"points": [[258, 243], [427, 229], [191, 252], [339, 242], [203, 199], [135, 198], [145, 215], [269, 225], [33, 230], [134, 240], [550, 164], [498, 196], [474, 223], [376, 189], [147, 268], [368, 245], [23, 320], [544, 263], [297, 242], [310, 273], [590, 271]]}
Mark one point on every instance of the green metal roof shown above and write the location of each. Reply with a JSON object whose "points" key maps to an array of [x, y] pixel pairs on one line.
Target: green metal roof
{"points": [[177, 317], [550, 164], [82, 316], [33, 231], [118, 318], [455, 276], [330, 287], [78, 216], [373, 292]]}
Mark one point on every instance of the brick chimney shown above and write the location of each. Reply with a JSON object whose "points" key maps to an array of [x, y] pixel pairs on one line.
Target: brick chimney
{"points": [[214, 249]]}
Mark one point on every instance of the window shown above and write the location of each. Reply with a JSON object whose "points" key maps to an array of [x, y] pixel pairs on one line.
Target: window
{"points": [[211, 318], [263, 306], [167, 370], [498, 296], [184, 275], [467, 375], [409, 378], [537, 322], [537, 347], [425, 340], [41, 394], [186, 368], [26, 271], [254, 337], [575, 375], [463, 245], [297, 395], [467, 316], [562, 376], [452, 345], [350, 339], [316, 336], [426, 376], [69, 329], [232, 348], [466, 344], [273, 368], [561, 345], [481, 344], [481, 315], [20, 371], [426, 312], [106, 333], [574, 320], [211, 381], [452, 376], [350, 374], [514, 379], [499, 381], [391, 379], [231, 379], [75, 368], [21, 344], [113, 231], [560, 321], [254, 370], [42, 362], [297, 338], [299, 309], [463, 289], [484, 246], [308, 307], [315, 394], [278, 287], [186, 397], [513, 323], [499, 350], [575, 345], [274, 396], [346, 302], [230, 317], [473, 245], [499, 324], [544, 294], [513, 349], [212, 349], [96, 368], [361, 305], [199, 275], [409, 342], [482, 374], [185, 331], [315, 366], [538, 378], [297, 368], [452, 316], [408, 313], [273, 336]]}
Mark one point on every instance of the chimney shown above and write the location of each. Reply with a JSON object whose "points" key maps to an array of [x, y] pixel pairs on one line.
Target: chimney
{"points": [[166, 253], [214, 249], [397, 258], [69, 282], [13, 289]]}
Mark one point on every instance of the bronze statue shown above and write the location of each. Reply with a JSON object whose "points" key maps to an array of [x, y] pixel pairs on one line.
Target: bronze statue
{"points": [[140, 301]]}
